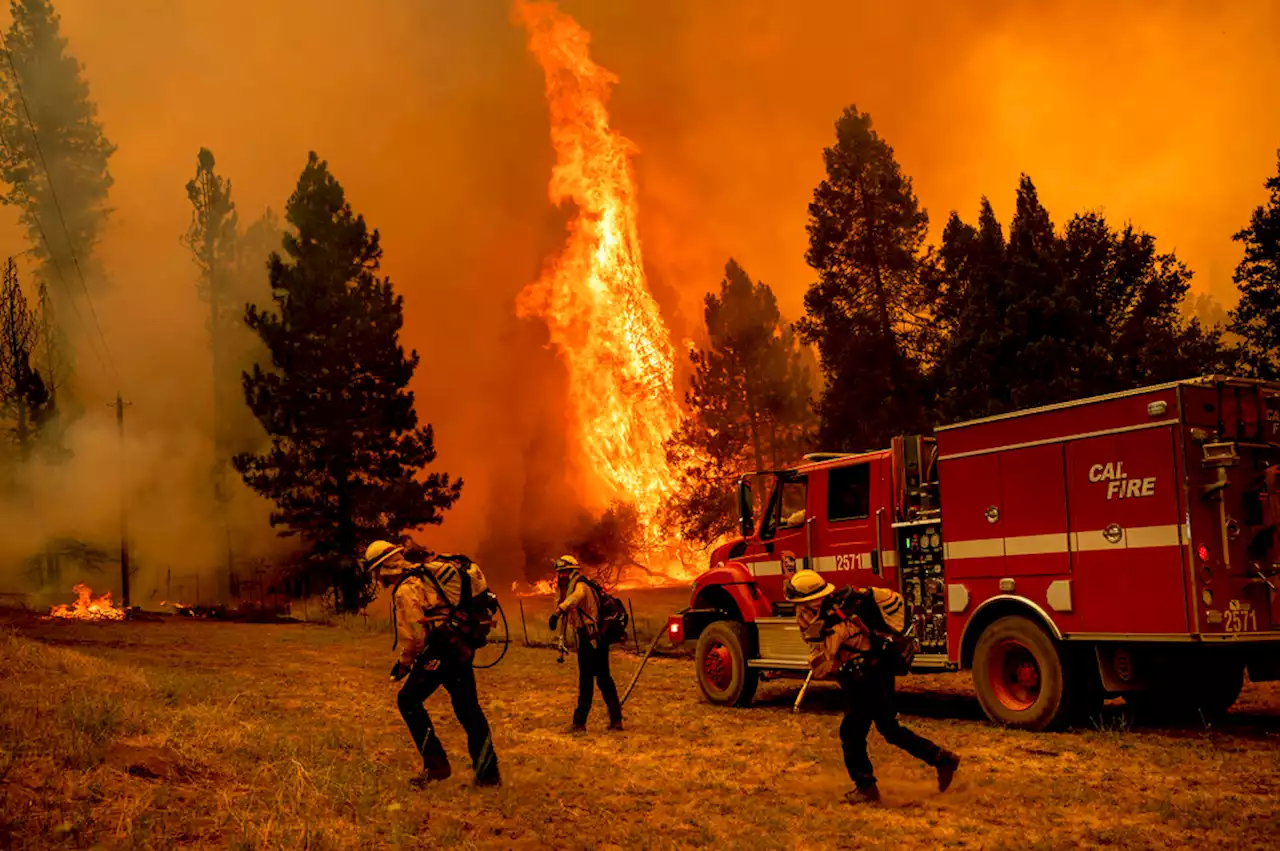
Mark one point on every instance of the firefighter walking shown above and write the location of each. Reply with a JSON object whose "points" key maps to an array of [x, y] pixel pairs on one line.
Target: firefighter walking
{"points": [[847, 634], [580, 609], [434, 652]]}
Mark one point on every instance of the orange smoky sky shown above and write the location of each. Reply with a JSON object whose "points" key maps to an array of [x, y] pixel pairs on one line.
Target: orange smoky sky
{"points": [[431, 114]]}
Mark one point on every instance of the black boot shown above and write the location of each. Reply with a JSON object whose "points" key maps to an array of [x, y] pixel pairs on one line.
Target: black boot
{"points": [[432, 774], [863, 795], [948, 762]]}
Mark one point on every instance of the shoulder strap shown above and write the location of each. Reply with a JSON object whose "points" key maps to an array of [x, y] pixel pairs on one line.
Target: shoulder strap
{"points": [[444, 598], [595, 589]]}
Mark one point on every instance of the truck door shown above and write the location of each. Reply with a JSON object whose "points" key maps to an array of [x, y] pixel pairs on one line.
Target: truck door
{"points": [[845, 541], [782, 532]]}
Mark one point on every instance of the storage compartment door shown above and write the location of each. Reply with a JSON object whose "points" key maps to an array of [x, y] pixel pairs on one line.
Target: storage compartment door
{"points": [[1034, 492], [1127, 543]]}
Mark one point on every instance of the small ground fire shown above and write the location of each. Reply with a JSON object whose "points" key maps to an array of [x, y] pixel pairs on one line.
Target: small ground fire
{"points": [[88, 607]]}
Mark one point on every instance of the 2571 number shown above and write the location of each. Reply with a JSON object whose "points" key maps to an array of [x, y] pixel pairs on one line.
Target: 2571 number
{"points": [[1238, 621]]}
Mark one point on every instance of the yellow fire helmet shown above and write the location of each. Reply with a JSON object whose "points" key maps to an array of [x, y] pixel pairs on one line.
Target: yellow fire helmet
{"points": [[807, 585], [378, 552], [566, 562]]}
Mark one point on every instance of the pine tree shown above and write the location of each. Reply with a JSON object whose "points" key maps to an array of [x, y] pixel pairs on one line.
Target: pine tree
{"points": [[54, 157], [212, 240], [24, 397], [1134, 298], [346, 452], [866, 241], [973, 268], [1044, 318], [748, 403], [1256, 318], [1045, 363]]}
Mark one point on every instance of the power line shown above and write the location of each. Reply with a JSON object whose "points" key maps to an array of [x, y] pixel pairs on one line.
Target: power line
{"points": [[35, 138]]}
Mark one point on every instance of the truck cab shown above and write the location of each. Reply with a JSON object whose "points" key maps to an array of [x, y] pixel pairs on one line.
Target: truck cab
{"points": [[838, 513]]}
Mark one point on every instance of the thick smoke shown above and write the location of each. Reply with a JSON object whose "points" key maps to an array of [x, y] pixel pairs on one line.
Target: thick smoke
{"points": [[431, 114]]}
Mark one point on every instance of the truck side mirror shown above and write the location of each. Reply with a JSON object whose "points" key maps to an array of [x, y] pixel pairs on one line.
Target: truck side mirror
{"points": [[746, 514]]}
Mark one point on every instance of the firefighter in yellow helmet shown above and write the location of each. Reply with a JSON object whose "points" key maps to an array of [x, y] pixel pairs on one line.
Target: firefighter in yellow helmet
{"points": [[580, 608], [847, 632], [435, 653]]}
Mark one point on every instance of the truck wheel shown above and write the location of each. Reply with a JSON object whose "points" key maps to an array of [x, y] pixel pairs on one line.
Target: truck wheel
{"points": [[1219, 689], [723, 650], [1019, 676]]}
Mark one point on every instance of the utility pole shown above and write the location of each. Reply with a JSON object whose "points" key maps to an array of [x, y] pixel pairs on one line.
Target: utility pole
{"points": [[124, 513]]}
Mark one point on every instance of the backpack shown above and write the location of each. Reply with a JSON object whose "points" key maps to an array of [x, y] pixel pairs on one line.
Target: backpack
{"points": [[885, 614], [613, 621], [471, 620]]}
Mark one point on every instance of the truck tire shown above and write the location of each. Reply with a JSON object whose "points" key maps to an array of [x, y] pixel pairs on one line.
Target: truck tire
{"points": [[721, 658], [1020, 677], [1218, 690]]}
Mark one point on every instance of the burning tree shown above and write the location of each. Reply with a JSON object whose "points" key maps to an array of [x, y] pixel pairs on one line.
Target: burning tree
{"points": [[347, 453], [594, 297]]}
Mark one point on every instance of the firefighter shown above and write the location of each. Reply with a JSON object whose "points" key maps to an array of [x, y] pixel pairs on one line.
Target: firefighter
{"points": [[433, 654], [581, 611], [843, 643]]}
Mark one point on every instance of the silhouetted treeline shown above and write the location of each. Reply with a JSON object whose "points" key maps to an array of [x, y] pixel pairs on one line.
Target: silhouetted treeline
{"points": [[991, 319], [910, 336]]}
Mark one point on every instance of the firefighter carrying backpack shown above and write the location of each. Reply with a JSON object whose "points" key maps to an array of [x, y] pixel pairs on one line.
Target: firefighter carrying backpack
{"points": [[472, 618], [613, 621], [884, 612]]}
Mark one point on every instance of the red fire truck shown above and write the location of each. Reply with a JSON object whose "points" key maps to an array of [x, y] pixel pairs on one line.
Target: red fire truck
{"points": [[1117, 545]]}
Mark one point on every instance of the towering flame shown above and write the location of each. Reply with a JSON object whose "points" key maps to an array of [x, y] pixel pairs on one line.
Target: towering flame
{"points": [[594, 297]]}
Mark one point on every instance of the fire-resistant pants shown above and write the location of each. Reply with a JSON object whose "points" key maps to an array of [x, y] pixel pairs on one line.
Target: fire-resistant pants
{"points": [[459, 679], [593, 668], [871, 700]]}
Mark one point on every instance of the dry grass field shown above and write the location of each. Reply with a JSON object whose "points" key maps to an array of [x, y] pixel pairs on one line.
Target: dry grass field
{"points": [[199, 734]]}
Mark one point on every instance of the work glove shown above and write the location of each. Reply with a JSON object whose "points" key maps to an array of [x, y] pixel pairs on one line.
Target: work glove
{"points": [[398, 671], [555, 620]]}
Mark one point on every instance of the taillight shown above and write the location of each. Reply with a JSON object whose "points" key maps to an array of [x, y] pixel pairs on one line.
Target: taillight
{"points": [[675, 632], [1203, 552]]}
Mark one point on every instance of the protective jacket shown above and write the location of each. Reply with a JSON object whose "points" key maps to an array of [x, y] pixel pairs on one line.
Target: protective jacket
{"points": [[830, 645], [419, 608], [580, 607]]}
